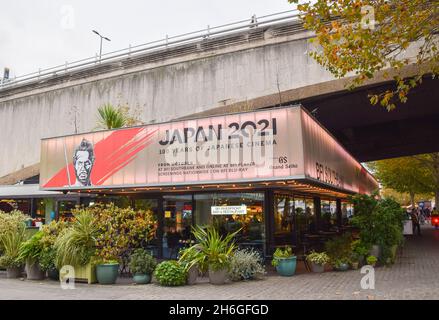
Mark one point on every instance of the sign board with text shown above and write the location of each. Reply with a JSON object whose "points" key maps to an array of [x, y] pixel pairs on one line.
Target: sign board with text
{"points": [[266, 145], [228, 210]]}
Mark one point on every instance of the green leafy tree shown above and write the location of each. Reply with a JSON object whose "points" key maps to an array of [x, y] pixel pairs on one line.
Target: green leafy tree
{"points": [[404, 175], [365, 37], [430, 162], [417, 174]]}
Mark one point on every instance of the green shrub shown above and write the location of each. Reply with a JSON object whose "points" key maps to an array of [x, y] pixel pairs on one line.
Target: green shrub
{"points": [[245, 265], [30, 250], [371, 260], [14, 221], [380, 222], [339, 249], [47, 259], [170, 273], [120, 230], [190, 256], [280, 253], [141, 262], [11, 242]]}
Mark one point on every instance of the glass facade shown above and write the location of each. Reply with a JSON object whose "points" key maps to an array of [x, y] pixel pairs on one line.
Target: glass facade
{"points": [[177, 224], [284, 227], [266, 218], [65, 208], [249, 217]]}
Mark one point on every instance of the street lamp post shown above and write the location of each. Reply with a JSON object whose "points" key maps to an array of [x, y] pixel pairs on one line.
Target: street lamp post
{"points": [[100, 48]]}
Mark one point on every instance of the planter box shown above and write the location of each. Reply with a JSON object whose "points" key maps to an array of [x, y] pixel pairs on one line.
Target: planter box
{"points": [[85, 273]]}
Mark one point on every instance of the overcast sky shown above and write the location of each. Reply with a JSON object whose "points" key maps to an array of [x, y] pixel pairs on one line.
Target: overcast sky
{"points": [[44, 33]]}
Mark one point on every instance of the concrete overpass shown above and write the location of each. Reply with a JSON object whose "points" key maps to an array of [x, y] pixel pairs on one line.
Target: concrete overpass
{"points": [[239, 67]]}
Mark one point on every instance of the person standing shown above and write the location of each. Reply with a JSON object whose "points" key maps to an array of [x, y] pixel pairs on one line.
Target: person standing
{"points": [[415, 221]]}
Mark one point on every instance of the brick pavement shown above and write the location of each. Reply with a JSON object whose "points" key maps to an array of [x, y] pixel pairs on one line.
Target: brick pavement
{"points": [[413, 276]]}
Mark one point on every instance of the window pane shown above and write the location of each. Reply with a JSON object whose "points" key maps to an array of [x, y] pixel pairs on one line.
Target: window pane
{"points": [[250, 217], [177, 220]]}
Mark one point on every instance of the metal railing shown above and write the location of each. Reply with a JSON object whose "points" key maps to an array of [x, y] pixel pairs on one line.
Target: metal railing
{"points": [[167, 42]]}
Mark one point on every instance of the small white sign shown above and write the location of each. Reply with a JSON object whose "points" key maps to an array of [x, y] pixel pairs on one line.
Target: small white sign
{"points": [[228, 210]]}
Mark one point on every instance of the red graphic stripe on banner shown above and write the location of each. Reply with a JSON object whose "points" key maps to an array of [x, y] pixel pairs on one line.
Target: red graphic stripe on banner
{"points": [[120, 159], [111, 154]]}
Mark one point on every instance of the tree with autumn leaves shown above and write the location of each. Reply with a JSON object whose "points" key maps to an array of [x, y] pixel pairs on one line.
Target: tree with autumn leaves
{"points": [[365, 38], [413, 175]]}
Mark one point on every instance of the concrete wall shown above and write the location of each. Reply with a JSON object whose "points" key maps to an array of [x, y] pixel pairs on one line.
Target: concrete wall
{"points": [[160, 93]]}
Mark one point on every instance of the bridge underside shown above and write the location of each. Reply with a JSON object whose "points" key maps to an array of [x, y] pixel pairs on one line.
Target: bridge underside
{"points": [[371, 132]]}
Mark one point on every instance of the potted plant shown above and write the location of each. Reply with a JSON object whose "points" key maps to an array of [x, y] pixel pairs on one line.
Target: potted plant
{"points": [[47, 263], [76, 245], [11, 242], [318, 261], [29, 252], [246, 264], [381, 224], [355, 261], [371, 260], [189, 258], [48, 254], [215, 252], [341, 264], [285, 261], [339, 250], [142, 266], [170, 273], [360, 251]]}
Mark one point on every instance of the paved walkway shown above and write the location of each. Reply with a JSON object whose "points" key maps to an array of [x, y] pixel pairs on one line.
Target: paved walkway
{"points": [[413, 276]]}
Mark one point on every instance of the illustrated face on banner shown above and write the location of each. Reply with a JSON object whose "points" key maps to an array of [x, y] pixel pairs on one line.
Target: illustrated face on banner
{"points": [[83, 160]]}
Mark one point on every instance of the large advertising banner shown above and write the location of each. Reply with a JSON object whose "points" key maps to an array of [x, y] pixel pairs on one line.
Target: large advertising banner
{"points": [[251, 146], [272, 144]]}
